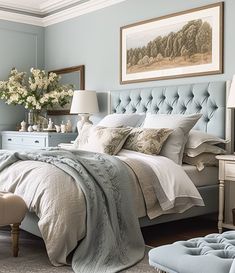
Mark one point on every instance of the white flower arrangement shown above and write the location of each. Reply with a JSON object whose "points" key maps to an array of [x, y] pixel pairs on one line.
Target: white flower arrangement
{"points": [[40, 91]]}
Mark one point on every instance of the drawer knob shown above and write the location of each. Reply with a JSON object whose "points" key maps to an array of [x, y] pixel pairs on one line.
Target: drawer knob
{"points": [[9, 139], [36, 141]]}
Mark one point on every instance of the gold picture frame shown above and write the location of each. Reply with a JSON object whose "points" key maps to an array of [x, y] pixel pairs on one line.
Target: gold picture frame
{"points": [[183, 44], [74, 75]]}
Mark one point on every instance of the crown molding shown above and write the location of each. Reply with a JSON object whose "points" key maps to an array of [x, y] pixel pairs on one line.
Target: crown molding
{"points": [[21, 18], [60, 16], [79, 10], [19, 6], [53, 5]]}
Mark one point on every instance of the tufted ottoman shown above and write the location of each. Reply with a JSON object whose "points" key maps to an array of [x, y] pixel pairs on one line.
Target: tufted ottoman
{"points": [[12, 212], [214, 253]]}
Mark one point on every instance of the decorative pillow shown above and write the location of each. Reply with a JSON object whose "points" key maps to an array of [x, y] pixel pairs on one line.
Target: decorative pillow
{"points": [[204, 148], [147, 141], [125, 120], [202, 160], [173, 148], [196, 138], [105, 140]]}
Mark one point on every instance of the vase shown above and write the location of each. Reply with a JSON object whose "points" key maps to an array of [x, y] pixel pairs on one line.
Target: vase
{"points": [[36, 117], [32, 117]]}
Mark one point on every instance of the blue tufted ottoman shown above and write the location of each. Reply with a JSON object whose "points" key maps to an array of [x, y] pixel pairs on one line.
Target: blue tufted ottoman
{"points": [[214, 253]]}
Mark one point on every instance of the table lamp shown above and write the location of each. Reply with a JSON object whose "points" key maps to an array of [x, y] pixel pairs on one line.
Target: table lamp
{"points": [[84, 103]]}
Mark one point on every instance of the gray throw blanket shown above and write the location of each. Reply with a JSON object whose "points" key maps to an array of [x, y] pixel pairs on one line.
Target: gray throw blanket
{"points": [[113, 239]]}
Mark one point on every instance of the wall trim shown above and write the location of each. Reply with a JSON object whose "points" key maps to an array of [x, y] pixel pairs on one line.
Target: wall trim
{"points": [[21, 18], [60, 16]]}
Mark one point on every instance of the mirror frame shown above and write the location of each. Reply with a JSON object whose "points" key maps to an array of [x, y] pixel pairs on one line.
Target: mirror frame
{"points": [[80, 69]]}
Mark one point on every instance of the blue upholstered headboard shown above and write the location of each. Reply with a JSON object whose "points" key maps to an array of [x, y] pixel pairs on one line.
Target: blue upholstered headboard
{"points": [[206, 98]]}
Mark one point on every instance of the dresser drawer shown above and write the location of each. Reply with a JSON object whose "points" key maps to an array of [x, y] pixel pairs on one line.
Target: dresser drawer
{"points": [[229, 171], [37, 142], [11, 140]]}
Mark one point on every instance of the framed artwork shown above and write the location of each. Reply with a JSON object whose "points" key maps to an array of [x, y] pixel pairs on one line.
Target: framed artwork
{"points": [[71, 75], [184, 44]]}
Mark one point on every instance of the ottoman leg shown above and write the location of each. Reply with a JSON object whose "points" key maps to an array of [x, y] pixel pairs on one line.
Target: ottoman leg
{"points": [[15, 230]]}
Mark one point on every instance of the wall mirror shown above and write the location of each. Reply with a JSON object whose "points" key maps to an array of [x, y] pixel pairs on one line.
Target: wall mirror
{"points": [[71, 75]]}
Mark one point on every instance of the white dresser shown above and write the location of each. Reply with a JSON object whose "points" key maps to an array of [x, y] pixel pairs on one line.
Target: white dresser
{"points": [[14, 140]]}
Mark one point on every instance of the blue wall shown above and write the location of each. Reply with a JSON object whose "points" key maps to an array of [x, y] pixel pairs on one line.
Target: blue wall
{"points": [[93, 39], [21, 46]]}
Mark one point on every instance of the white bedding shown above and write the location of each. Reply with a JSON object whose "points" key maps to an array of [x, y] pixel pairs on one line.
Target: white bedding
{"points": [[61, 207]]}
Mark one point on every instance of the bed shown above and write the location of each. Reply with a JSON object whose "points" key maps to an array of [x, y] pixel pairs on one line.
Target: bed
{"points": [[206, 98]]}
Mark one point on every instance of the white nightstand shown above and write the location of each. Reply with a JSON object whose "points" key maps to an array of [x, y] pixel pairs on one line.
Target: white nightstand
{"points": [[226, 174], [13, 140]]}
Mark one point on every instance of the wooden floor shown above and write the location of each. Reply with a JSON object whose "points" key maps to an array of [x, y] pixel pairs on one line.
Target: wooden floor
{"points": [[180, 230], [164, 233]]}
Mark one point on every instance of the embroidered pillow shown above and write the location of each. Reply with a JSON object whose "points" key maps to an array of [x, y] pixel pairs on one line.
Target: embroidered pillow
{"points": [[147, 141], [105, 140]]}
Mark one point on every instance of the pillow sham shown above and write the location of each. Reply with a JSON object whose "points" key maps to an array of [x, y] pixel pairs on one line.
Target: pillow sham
{"points": [[107, 140], [125, 120], [202, 160], [147, 141], [173, 148], [204, 148], [196, 138]]}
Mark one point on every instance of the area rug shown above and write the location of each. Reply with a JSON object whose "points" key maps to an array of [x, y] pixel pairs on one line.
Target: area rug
{"points": [[33, 257]]}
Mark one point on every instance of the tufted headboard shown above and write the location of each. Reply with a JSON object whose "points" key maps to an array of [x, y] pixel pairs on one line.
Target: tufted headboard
{"points": [[208, 98]]}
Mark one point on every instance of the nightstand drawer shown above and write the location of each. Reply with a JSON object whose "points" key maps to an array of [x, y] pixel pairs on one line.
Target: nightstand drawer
{"points": [[37, 142], [229, 171], [11, 140]]}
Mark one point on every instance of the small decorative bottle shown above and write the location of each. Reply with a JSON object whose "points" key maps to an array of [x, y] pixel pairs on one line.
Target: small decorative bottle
{"points": [[63, 127], [69, 126]]}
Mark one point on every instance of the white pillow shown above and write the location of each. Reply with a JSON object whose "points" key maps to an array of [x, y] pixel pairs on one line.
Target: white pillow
{"points": [[196, 138], [204, 148], [173, 148], [125, 120]]}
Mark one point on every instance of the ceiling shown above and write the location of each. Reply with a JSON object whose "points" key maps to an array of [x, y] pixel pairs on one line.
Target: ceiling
{"points": [[48, 12]]}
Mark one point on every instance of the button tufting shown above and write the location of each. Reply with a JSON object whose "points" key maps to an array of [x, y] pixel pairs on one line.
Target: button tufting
{"points": [[151, 97]]}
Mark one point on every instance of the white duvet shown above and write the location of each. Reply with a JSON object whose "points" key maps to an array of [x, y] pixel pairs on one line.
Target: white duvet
{"points": [[61, 207]]}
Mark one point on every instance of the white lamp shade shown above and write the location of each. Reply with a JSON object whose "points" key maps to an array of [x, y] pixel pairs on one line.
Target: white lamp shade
{"points": [[84, 102], [231, 97]]}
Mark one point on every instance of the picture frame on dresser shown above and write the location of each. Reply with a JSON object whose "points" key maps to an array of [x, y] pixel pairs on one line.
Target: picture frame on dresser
{"points": [[75, 76], [183, 44]]}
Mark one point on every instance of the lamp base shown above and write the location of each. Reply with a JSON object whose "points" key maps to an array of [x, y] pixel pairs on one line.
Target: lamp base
{"points": [[84, 119]]}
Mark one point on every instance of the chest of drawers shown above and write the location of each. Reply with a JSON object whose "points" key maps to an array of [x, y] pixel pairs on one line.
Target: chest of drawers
{"points": [[13, 140]]}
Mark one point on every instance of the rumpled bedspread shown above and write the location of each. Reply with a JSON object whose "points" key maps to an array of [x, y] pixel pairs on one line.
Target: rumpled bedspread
{"points": [[113, 239]]}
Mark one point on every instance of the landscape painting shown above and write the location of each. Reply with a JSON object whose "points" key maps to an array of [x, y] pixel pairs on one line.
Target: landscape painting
{"points": [[179, 45]]}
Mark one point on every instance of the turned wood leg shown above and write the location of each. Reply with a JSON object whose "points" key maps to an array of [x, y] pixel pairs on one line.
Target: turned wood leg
{"points": [[221, 206], [15, 230]]}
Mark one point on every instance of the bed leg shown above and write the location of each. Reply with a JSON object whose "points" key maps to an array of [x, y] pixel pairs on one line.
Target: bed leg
{"points": [[15, 230]]}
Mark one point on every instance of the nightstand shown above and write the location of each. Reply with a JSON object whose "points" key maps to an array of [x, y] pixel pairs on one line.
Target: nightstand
{"points": [[14, 140], [226, 174]]}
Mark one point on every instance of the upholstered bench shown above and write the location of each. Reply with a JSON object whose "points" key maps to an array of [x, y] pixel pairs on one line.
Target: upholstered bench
{"points": [[214, 253], [12, 212]]}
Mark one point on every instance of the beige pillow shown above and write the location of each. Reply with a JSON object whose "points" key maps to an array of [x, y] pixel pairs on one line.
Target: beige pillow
{"points": [[202, 160], [105, 140], [147, 141]]}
